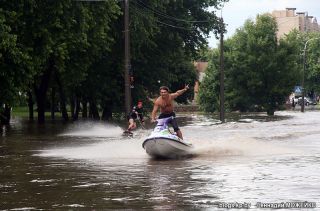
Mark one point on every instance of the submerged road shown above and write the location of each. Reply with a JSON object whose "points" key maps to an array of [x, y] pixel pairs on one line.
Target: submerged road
{"points": [[252, 161]]}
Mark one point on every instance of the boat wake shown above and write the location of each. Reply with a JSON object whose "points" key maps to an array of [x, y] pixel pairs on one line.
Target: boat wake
{"points": [[238, 147]]}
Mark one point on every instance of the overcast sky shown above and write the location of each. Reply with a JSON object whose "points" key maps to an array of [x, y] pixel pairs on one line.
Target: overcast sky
{"points": [[235, 12]]}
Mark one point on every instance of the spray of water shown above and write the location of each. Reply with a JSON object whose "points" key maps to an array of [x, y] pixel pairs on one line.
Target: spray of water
{"points": [[125, 149], [238, 146], [109, 143], [92, 129], [233, 139]]}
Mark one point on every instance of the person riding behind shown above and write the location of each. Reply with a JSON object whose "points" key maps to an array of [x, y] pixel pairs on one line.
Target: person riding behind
{"points": [[136, 112], [165, 103]]}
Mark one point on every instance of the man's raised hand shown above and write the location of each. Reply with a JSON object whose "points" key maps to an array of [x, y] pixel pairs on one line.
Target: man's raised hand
{"points": [[186, 87]]}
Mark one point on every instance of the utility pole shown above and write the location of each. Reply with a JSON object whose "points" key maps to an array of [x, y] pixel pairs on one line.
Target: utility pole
{"points": [[127, 90], [304, 70], [302, 82], [221, 73]]}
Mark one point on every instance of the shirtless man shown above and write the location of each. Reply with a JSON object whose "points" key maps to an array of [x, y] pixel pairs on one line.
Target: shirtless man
{"points": [[165, 102]]}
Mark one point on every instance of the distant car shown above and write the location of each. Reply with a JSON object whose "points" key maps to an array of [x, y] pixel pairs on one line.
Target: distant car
{"points": [[307, 101]]}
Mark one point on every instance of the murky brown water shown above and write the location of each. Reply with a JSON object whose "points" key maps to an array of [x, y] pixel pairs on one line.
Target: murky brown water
{"points": [[252, 160]]}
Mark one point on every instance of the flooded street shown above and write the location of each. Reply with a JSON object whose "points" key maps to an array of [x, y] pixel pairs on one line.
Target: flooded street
{"points": [[248, 161]]}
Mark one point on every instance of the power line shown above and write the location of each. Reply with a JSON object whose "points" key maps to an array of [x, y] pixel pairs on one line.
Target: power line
{"points": [[168, 16], [98, 0], [178, 27], [164, 23]]}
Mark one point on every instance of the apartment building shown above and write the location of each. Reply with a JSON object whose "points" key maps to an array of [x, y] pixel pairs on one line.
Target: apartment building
{"points": [[289, 19]]}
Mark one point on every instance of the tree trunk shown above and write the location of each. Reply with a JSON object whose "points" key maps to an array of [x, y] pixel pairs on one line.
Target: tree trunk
{"points": [[94, 110], [53, 93], [107, 110], [84, 109], [62, 98], [41, 92], [270, 112], [72, 106], [77, 109], [40, 108], [30, 104], [5, 115], [90, 111], [270, 109]]}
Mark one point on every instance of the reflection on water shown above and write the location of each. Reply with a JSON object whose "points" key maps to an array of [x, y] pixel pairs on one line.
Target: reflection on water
{"points": [[252, 158]]}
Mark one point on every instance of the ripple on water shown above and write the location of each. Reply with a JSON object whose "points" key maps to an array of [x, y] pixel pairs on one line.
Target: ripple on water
{"points": [[75, 205], [91, 185]]}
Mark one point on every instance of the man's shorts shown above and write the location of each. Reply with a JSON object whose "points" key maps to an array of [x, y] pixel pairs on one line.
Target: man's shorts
{"points": [[173, 121], [132, 116]]}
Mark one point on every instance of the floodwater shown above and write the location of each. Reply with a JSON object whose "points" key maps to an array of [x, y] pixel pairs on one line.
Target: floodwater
{"points": [[251, 161]]}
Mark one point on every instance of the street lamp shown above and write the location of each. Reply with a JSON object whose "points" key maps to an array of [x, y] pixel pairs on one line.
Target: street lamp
{"points": [[304, 70]]}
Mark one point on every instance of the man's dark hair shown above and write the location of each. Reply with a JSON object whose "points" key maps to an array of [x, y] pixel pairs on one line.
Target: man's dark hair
{"points": [[164, 88]]}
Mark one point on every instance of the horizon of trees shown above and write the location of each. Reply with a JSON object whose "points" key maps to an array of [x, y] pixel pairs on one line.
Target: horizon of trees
{"points": [[63, 54], [260, 71]]}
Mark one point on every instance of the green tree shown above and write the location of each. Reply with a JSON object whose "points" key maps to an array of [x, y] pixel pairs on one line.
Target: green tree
{"points": [[168, 36], [312, 73], [88, 51], [13, 60], [259, 71], [209, 88], [75, 48], [63, 38]]}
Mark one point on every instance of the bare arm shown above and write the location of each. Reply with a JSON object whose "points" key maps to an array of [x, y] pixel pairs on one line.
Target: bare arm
{"points": [[154, 111], [180, 92]]}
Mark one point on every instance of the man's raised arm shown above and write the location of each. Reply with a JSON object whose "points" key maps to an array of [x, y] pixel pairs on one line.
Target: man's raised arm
{"points": [[180, 92]]}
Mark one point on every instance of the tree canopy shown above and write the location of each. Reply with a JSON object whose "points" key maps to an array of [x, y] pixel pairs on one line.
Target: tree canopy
{"points": [[260, 71], [69, 53]]}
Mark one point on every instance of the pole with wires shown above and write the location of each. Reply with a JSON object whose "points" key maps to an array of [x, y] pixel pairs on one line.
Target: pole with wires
{"points": [[222, 118], [127, 91]]}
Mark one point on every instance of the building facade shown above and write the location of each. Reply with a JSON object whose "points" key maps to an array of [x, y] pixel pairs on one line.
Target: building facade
{"points": [[200, 68], [289, 19]]}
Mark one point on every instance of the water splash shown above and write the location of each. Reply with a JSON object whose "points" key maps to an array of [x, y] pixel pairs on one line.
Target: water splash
{"points": [[233, 139], [93, 129], [123, 147], [239, 146]]}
